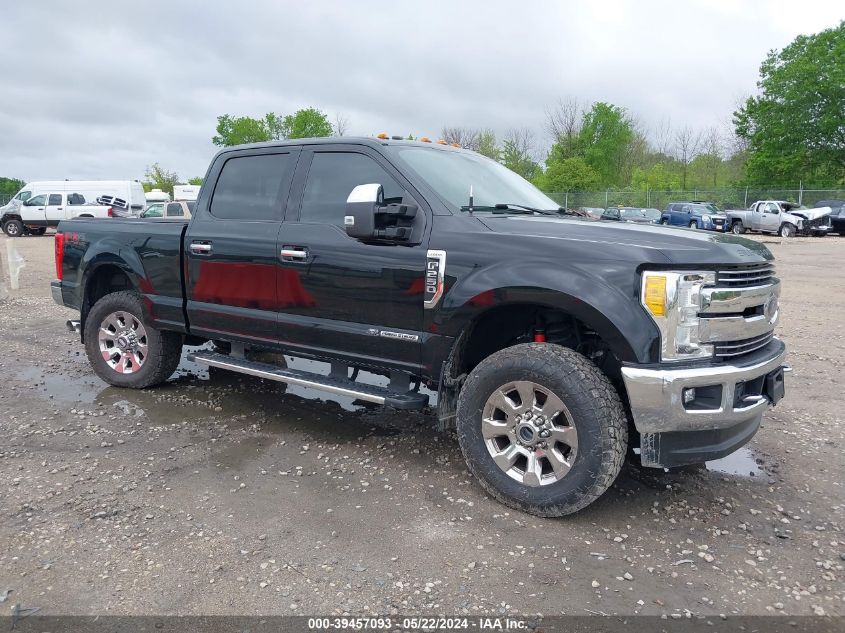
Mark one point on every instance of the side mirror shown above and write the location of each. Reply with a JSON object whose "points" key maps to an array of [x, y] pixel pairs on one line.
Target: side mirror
{"points": [[368, 218], [361, 205]]}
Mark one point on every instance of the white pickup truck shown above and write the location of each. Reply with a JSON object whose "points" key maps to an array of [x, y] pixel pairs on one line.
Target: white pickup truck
{"points": [[787, 219], [38, 213]]}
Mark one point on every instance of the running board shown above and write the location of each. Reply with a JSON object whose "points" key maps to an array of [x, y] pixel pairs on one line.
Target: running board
{"points": [[332, 384]]}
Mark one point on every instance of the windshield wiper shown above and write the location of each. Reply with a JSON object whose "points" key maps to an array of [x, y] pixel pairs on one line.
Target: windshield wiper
{"points": [[512, 208]]}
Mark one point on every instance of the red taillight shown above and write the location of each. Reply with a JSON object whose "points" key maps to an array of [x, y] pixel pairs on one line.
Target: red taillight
{"points": [[110, 212], [60, 254]]}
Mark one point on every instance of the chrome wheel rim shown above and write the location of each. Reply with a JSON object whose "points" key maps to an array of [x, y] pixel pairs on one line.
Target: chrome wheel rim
{"points": [[123, 342], [12, 229], [529, 433], [737, 229]]}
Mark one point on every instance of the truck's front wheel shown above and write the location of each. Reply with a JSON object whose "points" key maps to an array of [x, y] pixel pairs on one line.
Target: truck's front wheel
{"points": [[124, 350], [542, 428], [13, 228]]}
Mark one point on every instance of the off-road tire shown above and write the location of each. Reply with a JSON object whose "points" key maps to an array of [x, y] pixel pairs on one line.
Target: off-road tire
{"points": [[13, 228], [164, 349], [787, 230], [593, 403], [737, 228]]}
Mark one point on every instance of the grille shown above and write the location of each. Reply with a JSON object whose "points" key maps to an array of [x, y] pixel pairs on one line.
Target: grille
{"points": [[742, 277], [822, 221], [728, 349]]}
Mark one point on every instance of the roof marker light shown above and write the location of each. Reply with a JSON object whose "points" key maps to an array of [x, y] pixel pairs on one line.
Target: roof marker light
{"points": [[440, 141], [425, 139], [382, 136]]}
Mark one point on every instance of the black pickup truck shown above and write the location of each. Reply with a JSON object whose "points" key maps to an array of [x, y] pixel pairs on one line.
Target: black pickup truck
{"points": [[556, 346]]}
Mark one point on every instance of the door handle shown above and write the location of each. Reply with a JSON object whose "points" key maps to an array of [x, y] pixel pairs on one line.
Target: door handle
{"points": [[201, 248], [294, 252], [58, 208]]}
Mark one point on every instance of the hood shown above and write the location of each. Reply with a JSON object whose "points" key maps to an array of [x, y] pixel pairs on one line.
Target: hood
{"points": [[629, 240], [811, 214]]}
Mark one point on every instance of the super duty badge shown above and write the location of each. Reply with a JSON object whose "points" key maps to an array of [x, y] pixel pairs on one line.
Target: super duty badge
{"points": [[435, 271]]}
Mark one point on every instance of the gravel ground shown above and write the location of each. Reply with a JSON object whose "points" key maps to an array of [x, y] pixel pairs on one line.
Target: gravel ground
{"points": [[221, 494]]}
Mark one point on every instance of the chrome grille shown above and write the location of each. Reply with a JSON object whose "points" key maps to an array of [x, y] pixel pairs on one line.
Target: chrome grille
{"points": [[728, 349], [758, 275]]}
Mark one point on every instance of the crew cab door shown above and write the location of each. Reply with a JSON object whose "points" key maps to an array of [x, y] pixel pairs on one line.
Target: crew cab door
{"points": [[231, 260], [55, 209], [33, 210], [341, 297]]}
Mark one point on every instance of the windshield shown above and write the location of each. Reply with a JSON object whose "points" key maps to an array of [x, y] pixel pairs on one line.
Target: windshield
{"points": [[639, 214], [452, 173]]}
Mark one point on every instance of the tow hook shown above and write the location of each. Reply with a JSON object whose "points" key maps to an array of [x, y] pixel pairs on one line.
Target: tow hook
{"points": [[73, 326]]}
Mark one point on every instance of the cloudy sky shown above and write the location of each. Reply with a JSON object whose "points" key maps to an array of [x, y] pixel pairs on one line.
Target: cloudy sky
{"points": [[102, 89]]}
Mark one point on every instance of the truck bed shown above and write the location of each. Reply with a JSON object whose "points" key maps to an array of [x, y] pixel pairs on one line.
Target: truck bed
{"points": [[150, 256]]}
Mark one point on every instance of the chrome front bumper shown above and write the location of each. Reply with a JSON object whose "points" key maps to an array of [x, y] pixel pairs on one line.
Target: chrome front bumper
{"points": [[656, 400]]}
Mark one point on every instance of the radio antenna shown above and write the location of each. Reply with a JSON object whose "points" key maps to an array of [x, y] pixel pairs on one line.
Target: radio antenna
{"points": [[470, 199]]}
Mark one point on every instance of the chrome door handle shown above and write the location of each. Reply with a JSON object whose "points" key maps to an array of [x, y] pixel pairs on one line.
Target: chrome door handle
{"points": [[200, 248], [294, 253]]}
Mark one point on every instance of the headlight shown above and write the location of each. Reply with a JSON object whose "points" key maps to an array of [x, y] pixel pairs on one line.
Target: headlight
{"points": [[673, 299]]}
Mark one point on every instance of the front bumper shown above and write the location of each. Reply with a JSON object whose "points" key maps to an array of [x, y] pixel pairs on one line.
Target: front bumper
{"points": [[656, 395]]}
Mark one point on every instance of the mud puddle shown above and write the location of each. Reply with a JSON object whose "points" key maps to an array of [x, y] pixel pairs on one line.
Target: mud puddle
{"points": [[740, 463]]}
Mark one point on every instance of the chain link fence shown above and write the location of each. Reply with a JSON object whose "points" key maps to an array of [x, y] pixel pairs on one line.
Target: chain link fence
{"points": [[737, 198], [4, 198]]}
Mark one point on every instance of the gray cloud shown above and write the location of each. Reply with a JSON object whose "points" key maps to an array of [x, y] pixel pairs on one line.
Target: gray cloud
{"points": [[100, 90]]}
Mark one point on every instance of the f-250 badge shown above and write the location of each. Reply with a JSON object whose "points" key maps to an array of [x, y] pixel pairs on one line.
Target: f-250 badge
{"points": [[435, 271]]}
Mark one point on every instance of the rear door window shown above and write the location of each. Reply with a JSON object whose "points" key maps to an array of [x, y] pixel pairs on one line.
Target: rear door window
{"points": [[55, 200], [252, 187], [174, 210]]}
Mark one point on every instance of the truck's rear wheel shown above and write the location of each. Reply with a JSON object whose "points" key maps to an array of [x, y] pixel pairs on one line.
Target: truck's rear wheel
{"points": [[737, 228], [542, 429], [13, 228], [124, 350]]}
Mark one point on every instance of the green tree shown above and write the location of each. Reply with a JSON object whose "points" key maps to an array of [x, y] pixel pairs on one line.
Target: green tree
{"points": [[658, 177], [10, 186], [486, 144], [795, 127], [195, 181], [515, 153], [306, 123], [157, 177], [569, 174], [603, 141], [239, 130]]}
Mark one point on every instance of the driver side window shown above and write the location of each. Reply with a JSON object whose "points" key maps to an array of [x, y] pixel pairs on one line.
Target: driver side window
{"points": [[332, 177], [37, 201]]}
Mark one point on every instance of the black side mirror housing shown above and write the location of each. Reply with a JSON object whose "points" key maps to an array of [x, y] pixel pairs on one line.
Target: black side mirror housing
{"points": [[368, 218]]}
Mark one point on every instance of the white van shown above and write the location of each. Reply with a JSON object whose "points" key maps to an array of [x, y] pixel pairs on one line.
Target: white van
{"points": [[130, 191]]}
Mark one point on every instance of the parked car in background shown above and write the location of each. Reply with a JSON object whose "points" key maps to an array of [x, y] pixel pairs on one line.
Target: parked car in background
{"points": [[37, 213], [694, 214], [786, 219], [176, 209], [632, 214], [589, 213], [127, 194], [837, 214]]}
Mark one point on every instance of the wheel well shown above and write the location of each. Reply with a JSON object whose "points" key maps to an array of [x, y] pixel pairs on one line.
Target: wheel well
{"points": [[105, 280], [504, 326], [509, 325], [6, 218]]}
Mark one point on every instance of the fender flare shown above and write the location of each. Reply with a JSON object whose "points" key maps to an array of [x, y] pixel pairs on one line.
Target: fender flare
{"points": [[606, 302]]}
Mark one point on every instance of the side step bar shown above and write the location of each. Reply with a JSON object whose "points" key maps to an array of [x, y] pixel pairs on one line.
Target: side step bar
{"points": [[331, 384]]}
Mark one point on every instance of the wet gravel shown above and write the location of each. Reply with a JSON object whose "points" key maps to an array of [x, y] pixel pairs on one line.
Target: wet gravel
{"points": [[223, 494]]}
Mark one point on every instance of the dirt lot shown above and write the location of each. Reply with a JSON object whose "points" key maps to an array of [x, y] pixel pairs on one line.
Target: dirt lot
{"points": [[220, 495]]}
